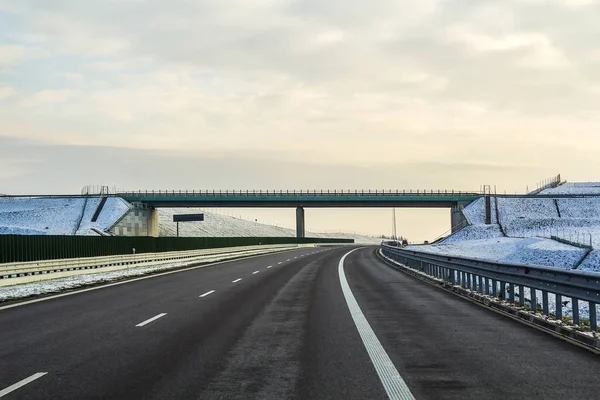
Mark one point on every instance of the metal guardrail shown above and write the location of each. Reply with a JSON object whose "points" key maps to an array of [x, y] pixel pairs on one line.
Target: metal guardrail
{"points": [[492, 278], [20, 269]]}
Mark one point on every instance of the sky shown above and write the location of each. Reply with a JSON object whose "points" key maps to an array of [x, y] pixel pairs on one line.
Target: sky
{"points": [[300, 94]]}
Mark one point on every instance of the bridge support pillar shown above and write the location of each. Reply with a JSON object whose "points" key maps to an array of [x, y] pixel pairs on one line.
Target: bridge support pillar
{"points": [[300, 227], [152, 222]]}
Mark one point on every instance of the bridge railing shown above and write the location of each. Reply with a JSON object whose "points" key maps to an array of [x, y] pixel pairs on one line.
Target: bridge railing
{"points": [[522, 285], [288, 193]]}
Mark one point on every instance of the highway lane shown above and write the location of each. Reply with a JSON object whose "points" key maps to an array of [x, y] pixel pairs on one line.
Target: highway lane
{"points": [[277, 333], [91, 338], [446, 347]]}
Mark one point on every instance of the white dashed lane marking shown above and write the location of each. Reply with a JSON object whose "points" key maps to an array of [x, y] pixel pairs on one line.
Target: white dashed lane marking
{"points": [[255, 272], [237, 280], [207, 293], [146, 322], [22, 383]]}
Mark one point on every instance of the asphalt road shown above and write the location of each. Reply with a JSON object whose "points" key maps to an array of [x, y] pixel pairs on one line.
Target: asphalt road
{"points": [[281, 326]]}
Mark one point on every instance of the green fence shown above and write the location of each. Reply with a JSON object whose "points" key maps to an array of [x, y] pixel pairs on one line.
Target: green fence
{"points": [[19, 248]]}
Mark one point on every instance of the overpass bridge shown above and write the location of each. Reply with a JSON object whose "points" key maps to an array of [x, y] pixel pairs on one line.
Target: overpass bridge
{"points": [[302, 199]]}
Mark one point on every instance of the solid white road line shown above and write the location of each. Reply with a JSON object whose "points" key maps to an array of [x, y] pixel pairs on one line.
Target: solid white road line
{"points": [[22, 383], [393, 383], [270, 266], [237, 280], [207, 293], [255, 272], [146, 322]]}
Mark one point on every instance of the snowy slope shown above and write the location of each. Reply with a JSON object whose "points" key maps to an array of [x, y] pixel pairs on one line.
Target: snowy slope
{"points": [[475, 232], [57, 216], [575, 188], [592, 262], [526, 222], [475, 212], [510, 250], [574, 219]]}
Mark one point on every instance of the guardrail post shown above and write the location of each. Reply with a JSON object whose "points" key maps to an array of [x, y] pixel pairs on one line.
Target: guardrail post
{"points": [[487, 286], [502, 290], [593, 317], [451, 276], [521, 296], [533, 296], [545, 306], [575, 303], [559, 313]]}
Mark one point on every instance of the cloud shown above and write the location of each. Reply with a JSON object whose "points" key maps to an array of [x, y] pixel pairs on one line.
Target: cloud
{"points": [[46, 97], [6, 92], [10, 55], [565, 3], [535, 50], [107, 65]]}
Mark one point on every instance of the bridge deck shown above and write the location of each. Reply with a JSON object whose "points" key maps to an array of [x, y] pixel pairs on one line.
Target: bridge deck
{"points": [[296, 199]]}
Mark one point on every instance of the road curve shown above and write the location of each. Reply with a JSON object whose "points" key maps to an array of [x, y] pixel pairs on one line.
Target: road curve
{"points": [[280, 326]]}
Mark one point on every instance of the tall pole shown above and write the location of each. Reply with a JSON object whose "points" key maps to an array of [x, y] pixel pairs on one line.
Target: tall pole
{"points": [[394, 223]]}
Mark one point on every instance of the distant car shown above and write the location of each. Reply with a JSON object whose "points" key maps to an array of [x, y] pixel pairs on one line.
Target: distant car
{"points": [[405, 242]]}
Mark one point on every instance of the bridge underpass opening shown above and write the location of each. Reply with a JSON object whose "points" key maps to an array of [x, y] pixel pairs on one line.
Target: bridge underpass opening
{"points": [[417, 224]]}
